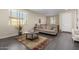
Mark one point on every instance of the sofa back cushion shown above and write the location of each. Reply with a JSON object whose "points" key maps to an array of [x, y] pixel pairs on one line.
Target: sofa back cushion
{"points": [[49, 27], [42, 26], [76, 32]]}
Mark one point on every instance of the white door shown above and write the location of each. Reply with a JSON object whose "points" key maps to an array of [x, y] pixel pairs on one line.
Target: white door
{"points": [[66, 22]]}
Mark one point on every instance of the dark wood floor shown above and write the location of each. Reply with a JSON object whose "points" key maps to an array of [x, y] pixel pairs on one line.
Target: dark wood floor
{"points": [[62, 41]]}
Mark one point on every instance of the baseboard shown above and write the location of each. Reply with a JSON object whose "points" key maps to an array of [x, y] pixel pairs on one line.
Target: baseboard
{"points": [[66, 32], [8, 35]]}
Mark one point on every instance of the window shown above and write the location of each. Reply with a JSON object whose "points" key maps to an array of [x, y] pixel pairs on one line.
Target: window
{"points": [[17, 18], [52, 20]]}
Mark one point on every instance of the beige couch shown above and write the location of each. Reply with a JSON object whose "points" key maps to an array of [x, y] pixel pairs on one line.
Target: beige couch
{"points": [[49, 29]]}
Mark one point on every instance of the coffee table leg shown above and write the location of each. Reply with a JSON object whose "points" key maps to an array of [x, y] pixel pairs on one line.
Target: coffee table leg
{"points": [[26, 36], [32, 36]]}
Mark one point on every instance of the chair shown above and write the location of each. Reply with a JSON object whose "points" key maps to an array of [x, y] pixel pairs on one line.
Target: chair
{"points": [[75, 34]]}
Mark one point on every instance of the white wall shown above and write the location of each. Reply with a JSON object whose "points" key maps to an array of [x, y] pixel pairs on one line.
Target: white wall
{"points": [[5, 29], [76, 19]]}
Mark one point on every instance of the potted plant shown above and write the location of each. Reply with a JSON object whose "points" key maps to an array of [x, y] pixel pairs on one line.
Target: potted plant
{"points": [[20, 30]]}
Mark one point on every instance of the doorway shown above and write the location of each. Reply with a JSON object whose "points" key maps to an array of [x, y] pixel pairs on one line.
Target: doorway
{"points": [[66, 22]]}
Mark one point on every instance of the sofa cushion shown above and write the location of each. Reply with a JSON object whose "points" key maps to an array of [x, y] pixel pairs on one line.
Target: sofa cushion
{"points": [[43, 26], [46, 30], [52, 28], [77, 32], [48, 27]]}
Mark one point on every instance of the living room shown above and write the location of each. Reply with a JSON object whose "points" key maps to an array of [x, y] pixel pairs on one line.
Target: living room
{"points": [[53, 25]]}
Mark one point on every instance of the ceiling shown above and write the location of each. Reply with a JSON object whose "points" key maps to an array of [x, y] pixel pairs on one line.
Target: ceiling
{"points": [[48, 12]]}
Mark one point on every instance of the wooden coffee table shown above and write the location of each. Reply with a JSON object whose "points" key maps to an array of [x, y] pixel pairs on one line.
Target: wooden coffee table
{"points": [[36, 44]]}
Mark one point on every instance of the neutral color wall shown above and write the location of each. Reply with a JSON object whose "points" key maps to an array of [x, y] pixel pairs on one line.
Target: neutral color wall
{"points": [[74, 19], [47, 20], [75, 16], [57, 20], [7, 30], [32, 19]]}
